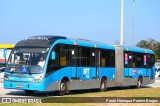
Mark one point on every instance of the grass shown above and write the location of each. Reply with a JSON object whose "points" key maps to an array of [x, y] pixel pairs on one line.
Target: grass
{"points": [[121, 92], [68, 100]]}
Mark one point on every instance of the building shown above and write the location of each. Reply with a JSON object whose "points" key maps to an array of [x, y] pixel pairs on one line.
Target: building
{"points": [[5, 50]]}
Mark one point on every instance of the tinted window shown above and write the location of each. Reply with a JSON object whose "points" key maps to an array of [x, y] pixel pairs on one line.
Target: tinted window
{"points": [[74, 55], [112, 58], [129, 57], [107, 58], [151, 61], [64, 56], [85, 56], [54, 64], [93, 55], [140, 62]]}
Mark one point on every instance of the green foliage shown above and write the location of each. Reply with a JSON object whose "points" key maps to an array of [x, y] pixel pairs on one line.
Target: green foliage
{"points": [[151, 44]]}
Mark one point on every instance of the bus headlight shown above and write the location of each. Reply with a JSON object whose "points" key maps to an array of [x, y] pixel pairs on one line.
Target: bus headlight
{"points": [[5, 77], [39, 79]]}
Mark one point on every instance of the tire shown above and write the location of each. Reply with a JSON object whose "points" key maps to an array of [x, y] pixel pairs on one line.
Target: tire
{"points": [[63, 88], [103, 85], [29, 92], [133, 86], [67, 86], [139, 82]]}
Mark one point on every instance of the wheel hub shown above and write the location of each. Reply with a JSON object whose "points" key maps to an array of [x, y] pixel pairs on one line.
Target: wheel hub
{"points": [[63, 87]]}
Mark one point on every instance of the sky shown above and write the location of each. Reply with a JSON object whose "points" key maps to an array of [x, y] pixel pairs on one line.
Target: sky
{"points": [[95, 20]]}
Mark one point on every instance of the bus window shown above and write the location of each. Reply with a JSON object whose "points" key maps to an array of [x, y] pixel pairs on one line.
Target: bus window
{"points": [[102, 63], [64, 56], [140, 62], [112, 59], [107, 58], [150, 61], [130, 60], [92, 57], [85, 56], [74, 55], [54, 64], [134, 60], [104, 58]]}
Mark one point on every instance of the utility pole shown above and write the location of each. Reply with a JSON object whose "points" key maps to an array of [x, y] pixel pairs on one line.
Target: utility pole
{"points": [[122, 22], [133, 22]]}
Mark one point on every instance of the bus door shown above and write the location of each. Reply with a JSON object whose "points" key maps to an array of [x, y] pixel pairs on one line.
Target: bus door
{"points": [[75, 74], [128, 64], [89, 63], [97, 62], [85, 59], [150, 66], [93, 62]]}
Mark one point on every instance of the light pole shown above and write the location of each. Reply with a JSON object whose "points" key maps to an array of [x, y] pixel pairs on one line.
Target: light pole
{"points": [[133, 22], [122, 24]]}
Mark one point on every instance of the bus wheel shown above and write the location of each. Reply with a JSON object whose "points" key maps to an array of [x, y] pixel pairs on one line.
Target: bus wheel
{"points": [[103, 85], [63, 88], [139, 82], [29, 92]]}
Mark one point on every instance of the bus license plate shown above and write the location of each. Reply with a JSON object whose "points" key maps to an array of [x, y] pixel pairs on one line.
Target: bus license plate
{"points": [[19, 86]]}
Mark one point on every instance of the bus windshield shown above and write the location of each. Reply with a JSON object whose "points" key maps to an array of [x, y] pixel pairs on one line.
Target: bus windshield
{"points": [[27, 60]]}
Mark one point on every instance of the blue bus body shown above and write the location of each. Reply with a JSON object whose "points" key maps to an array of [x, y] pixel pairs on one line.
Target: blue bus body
{"points": [[96, 66], [143, 71]]}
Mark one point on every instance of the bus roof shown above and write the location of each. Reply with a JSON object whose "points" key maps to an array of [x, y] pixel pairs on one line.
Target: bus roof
{"points": [[39, 41], [85, 43], [94, 44], [137, 49], [6, 46], [47, 41]]}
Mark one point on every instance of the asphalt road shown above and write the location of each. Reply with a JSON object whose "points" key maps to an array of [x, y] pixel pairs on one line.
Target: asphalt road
{"points": [[21, 93]]}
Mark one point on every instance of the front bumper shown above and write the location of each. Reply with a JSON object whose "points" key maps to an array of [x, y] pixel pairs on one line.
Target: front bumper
{"points": [[24, 85]]}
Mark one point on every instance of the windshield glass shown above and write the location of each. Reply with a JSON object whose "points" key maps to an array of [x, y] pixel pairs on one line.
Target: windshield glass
{"points": [[27, 60]]}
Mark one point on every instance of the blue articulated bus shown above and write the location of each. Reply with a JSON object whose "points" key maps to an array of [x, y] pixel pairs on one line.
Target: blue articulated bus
{"points": [[56, 63]]}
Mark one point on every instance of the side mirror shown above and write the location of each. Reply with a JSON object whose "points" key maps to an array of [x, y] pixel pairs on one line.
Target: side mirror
{"points": [[5, 53], [53, 55]]}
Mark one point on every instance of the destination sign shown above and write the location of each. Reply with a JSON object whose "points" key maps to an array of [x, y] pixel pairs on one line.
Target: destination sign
{"points": [[39, 38]]}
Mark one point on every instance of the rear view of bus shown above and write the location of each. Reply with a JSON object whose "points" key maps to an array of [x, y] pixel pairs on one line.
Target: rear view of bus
{"points": [[26, 64]]}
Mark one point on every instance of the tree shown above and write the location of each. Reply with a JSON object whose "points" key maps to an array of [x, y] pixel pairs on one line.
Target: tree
{"points": [[151, 44]]}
